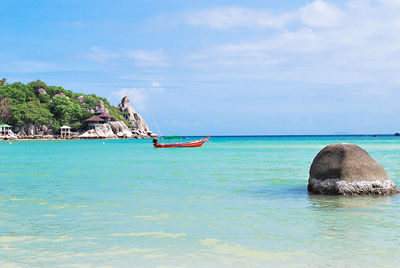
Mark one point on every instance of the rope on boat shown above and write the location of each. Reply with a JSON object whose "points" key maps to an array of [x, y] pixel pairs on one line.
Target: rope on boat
{"points": [[159, 132]]}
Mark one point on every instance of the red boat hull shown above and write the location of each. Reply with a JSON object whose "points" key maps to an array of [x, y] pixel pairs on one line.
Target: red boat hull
{"points": [[196, 143]]}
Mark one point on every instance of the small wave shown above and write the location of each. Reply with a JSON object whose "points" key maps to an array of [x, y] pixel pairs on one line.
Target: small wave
{"points": [[160, 234]]}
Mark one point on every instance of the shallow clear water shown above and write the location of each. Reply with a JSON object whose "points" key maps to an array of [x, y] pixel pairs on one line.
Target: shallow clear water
{"points": [[236, 202]]}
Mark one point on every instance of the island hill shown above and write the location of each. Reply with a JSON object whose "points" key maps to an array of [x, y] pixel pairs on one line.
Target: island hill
{"points": [[38, 111]]}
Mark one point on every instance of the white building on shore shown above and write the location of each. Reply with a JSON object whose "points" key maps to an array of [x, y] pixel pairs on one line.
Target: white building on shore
{"points": [[5, 130], [65, 131]]}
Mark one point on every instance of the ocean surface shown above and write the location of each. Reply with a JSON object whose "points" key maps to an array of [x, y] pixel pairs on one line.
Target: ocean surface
{"points": [[235, 202]]}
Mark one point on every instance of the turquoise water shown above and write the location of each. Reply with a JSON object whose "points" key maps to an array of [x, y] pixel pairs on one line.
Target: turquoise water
{"points": [[236, 202]]}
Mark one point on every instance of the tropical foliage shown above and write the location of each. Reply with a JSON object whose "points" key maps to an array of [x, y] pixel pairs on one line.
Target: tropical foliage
{"points": [[37, 103]]}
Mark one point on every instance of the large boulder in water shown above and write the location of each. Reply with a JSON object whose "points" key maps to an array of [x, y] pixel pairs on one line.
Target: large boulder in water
{"points": [[347, 169]]}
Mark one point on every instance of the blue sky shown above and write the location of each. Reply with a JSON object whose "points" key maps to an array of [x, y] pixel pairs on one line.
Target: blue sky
{"points": [[218, 67]]}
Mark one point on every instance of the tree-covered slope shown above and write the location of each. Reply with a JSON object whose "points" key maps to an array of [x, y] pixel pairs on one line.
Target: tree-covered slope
{"points": [[40, 104]]}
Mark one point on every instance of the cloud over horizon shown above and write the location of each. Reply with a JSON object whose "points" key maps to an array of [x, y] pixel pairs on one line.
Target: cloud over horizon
{"points": [[144, 58], [355, 43], [221, 18], [139, 96]]}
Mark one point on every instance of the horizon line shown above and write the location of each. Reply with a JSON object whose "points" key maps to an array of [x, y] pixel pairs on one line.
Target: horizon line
{"points": [[286, 135]]}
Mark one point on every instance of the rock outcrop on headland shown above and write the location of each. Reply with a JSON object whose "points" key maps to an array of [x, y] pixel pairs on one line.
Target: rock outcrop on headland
{"points": [[347, 169], [34, 131], [38, 111], [111, 130], [102, 131], [139, 125], [119, 129]]}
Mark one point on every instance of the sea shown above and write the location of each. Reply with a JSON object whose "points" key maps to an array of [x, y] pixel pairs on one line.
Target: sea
{"points": [[235, 202]]}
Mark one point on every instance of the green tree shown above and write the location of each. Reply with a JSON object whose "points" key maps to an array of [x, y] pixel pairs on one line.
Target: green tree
{"points": [[17, 92], [5, 110], [53, 90], [3, 81], [62, 109], [44, 98], [32, 112], [21, 104], [36, 85]]}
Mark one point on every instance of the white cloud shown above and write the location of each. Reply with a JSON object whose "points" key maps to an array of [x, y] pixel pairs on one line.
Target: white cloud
{"points": [[155, 84], [26, 66], [78, 23], [74, 23], [149, 58], [101, 54], [354, 42], [320, 14], [227, 17], [315, 14], [390, 2], [138, 96], [357, 42]]}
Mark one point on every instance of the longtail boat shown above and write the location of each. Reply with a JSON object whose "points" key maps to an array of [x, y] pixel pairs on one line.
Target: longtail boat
{"points": [[196, 143]]}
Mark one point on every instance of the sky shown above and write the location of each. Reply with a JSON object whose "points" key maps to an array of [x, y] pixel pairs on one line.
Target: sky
{"points": [[218, 67]]}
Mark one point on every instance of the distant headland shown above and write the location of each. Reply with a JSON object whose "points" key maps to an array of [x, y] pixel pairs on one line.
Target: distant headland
{"points": [[38, 111]]}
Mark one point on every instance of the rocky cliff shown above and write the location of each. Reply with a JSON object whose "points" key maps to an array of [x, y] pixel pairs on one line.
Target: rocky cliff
{"points": [[111, 130], [139, 126], [38, 111], [34, 131]]}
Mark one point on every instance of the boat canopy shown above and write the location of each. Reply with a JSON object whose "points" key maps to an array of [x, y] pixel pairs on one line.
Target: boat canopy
{"points": [[172, 137]]}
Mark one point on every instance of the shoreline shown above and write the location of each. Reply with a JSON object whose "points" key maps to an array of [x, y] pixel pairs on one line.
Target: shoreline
{"points": [[57, 138], [63, 139]]}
